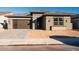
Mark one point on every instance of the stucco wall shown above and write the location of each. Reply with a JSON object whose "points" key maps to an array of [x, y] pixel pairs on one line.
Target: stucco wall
{"points": [[67, 22], [49, 22], [10, 23], [35, 16]]}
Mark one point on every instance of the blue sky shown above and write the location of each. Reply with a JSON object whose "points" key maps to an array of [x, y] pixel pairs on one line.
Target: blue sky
{"points": [[29, 9]]}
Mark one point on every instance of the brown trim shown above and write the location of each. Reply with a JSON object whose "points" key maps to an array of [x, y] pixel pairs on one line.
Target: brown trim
{"points": [[18, 17], [56, 15], [37, 12]]}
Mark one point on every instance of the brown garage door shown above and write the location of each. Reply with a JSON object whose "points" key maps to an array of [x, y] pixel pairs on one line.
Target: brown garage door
{"points": [[21, 24]]}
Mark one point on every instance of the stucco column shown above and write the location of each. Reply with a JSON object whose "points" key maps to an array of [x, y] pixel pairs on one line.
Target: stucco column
{"points": [[33, 24], [10, 24]]}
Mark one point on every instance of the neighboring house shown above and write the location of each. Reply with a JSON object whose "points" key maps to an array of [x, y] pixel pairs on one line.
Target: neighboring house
{"points": [[40, 20], [75, 21], [3, 18]]}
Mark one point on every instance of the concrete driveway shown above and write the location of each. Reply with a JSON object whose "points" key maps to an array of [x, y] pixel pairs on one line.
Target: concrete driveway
{"points": [[13, 36], [27, 36], [39, 40]]}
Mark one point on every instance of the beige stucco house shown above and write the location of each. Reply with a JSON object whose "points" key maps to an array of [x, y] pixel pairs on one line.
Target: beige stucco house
{"points": [[41, 20]]}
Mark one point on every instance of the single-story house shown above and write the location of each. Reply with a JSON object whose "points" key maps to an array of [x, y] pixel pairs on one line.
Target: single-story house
{"points": [[41, 20]]}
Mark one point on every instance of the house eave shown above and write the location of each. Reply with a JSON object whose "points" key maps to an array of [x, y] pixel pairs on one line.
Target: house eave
{"points": [[56, 15], [18, 17]]}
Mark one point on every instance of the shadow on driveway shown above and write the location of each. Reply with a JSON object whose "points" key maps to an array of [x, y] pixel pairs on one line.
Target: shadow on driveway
{"points": [[67, 40]]}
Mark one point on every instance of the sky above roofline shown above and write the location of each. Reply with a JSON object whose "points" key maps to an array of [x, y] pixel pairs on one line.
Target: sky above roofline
{"points": [[29, 9]]}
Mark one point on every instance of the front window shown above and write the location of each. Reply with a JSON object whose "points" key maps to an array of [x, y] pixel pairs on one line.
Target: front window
{"points": [[58, 21]]}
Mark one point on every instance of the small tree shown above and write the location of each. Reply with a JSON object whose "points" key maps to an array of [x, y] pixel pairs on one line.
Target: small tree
{"points": [[5, 24]]}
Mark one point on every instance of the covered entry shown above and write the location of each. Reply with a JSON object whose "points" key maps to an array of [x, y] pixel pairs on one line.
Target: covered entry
{"points": [[39, 24]]}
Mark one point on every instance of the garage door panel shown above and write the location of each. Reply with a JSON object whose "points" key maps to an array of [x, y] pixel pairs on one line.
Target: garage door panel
{"points": [[22, 24]]}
